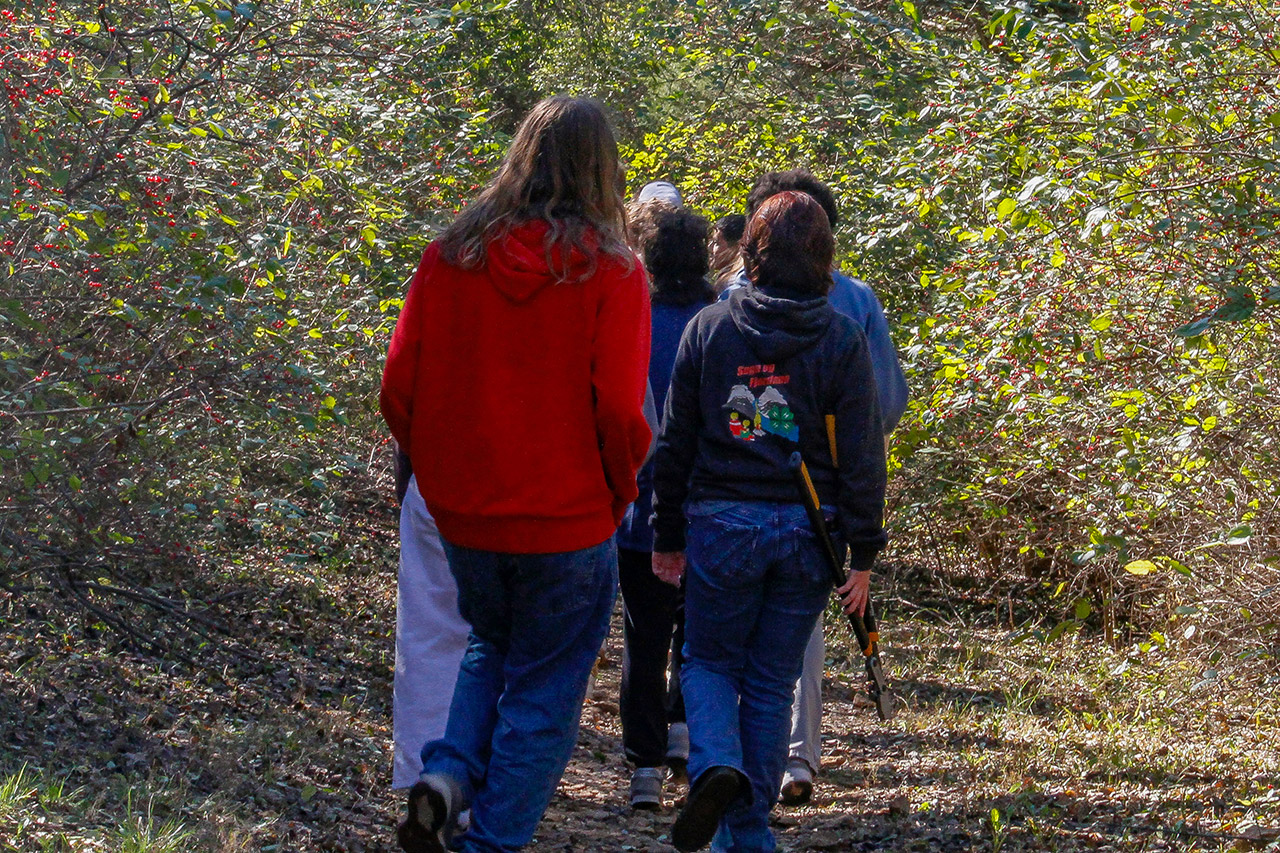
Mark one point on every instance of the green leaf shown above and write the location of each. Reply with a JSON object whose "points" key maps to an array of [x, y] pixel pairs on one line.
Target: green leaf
{"points": [[1240, 305], [1238, 535], [1062, 628], [1005, 208], [1193, 329]]}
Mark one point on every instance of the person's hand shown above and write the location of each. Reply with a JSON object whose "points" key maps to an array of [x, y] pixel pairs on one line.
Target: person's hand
{"points": [[669, 566], [853, 592]]}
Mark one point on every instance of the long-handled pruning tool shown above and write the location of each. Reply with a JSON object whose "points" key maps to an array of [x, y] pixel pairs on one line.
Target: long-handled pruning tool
{"points": [[864, 626]]}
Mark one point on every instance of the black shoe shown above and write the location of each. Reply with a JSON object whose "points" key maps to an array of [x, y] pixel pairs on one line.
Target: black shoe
{"points": [[429, 823], [708, 801]]}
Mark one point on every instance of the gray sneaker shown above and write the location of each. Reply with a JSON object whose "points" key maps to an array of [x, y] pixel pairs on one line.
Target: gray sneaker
{"points": [[646, 788]]}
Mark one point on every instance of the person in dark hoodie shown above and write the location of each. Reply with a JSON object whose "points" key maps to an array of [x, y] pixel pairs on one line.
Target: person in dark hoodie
{"points": [[725, 508], [673, 243], [529, 310], [857, 301]]}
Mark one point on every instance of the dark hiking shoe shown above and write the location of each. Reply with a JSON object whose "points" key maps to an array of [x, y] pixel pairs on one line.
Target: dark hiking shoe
{"points": [[432, 813], [707, 802]]}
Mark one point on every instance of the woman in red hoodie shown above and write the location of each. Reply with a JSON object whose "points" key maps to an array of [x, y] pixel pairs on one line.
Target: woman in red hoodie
{"points": [[515, 378]]}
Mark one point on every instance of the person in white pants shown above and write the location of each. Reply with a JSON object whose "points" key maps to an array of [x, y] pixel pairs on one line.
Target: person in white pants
{"points": [[431, 637]]}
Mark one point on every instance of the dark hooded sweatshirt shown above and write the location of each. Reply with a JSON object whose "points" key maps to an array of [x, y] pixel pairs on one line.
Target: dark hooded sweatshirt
{"points": [[754, 378], [519, 397]]}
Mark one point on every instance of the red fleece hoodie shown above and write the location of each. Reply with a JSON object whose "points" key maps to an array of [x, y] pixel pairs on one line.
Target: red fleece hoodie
{"points": [[519, 399]]}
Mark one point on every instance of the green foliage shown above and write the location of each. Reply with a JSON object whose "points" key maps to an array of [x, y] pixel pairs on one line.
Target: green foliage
{"points": [[1070, 215], [208, 215], [1090, 206]]}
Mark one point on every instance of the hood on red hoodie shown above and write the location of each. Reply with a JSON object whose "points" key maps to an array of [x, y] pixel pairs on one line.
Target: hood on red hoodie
{"points": [[518, 261]]}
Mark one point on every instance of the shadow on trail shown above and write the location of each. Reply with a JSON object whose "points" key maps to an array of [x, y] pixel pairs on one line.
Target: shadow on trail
{"points": [[921, 693]]}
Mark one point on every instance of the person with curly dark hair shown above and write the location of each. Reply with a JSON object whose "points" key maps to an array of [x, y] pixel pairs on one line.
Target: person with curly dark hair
{"points": [[672, 241]]}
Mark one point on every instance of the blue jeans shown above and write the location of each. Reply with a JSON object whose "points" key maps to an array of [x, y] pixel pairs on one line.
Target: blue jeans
{"points": [[756, 583], [537, 622]]}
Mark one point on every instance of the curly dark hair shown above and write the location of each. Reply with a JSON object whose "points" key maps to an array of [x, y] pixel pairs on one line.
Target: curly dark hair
{"points": [[771, 183], [731, 227], [673, 243], [642, 221]]}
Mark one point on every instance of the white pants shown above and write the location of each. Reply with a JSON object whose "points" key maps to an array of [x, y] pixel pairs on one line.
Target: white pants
{"points": [[430, 639], [806, 711]]}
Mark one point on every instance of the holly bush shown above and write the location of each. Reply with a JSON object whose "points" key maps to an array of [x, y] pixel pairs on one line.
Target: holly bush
{"points": [[209, 210]]}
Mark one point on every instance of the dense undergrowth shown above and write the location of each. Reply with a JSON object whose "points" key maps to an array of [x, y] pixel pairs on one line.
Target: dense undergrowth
{"points": [[209, 210]]}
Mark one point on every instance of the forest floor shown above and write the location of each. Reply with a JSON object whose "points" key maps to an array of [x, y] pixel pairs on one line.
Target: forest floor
{"points": [[278, 739]]}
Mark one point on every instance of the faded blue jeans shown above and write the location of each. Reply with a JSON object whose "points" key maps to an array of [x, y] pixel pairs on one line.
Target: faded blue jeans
{"points": [[537, 622], [756, 583]]}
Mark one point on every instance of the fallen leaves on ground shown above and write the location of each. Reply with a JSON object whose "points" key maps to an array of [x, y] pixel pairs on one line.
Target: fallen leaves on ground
{"points": [[280, 740]]}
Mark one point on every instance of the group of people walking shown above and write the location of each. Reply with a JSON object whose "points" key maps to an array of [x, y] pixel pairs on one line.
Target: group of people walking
{"points": [[541, 335]]}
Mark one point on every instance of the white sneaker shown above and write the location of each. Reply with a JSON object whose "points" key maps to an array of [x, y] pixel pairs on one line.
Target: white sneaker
{"points": [[797, 783]]}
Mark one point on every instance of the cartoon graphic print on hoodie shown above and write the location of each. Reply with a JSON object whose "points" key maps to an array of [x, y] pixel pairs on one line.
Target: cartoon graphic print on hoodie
{"points": [[742, 409], [749, 417], [472, 347], [719, 441]]}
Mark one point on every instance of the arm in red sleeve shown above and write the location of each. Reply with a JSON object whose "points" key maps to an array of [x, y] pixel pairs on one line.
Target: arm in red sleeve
{"points": [[619, 374], [400, 374]]}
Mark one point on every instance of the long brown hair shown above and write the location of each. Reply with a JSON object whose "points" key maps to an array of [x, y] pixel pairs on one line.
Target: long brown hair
{"points": [[562, 167]]}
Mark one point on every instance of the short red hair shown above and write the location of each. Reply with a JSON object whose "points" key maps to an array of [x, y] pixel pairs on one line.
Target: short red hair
{"points": [[788, 245]]}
